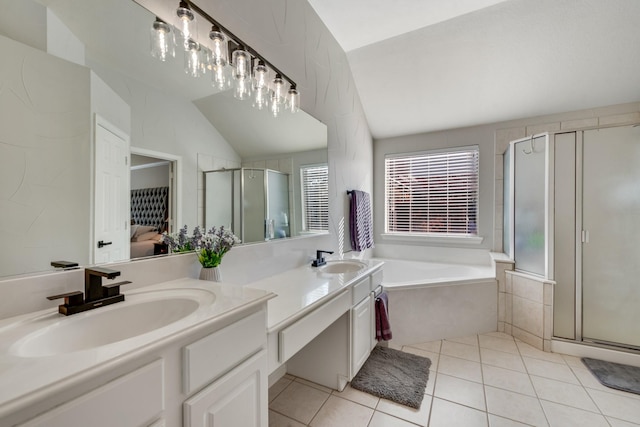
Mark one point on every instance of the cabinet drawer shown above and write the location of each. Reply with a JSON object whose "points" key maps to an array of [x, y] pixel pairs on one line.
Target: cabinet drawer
{"points": [[102, 407], [361, 290], [376, 279], [299, 334], [213, 355]]}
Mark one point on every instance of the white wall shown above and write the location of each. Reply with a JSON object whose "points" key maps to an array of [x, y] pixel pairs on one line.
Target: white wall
{"points": [[150, 177], [44, 159]]}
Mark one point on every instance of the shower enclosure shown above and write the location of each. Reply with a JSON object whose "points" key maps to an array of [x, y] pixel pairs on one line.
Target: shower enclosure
{"points": [[252, 202], [573, 217]]}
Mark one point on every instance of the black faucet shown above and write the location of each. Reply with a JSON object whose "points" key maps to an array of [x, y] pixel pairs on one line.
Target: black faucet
{"points": [[320, 259], [95, 293]]}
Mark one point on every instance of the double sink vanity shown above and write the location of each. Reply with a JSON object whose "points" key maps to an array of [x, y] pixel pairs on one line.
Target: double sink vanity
{"points": [[188, 352]]}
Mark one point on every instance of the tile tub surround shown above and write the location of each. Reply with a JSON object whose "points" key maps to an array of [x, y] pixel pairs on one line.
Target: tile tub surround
{"points": [[525, 309], [442, 310], [478, 380]]}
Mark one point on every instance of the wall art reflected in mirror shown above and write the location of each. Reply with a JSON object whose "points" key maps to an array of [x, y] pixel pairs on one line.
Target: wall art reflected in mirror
{"points": [[91, 121]]}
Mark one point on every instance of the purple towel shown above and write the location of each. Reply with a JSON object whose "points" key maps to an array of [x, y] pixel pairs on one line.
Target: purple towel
{"points": [[383, 328], [360, 221]]}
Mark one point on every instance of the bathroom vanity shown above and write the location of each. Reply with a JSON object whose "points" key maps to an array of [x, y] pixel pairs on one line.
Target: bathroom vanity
{"points": [[321, 325], [191, 350], [187, 352]]}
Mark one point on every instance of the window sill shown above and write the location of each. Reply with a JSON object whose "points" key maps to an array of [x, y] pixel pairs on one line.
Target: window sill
{"points": [[433, 238]]}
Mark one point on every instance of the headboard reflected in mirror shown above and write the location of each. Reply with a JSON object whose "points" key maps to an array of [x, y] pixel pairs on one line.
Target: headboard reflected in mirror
{"points": [[62, 79]]}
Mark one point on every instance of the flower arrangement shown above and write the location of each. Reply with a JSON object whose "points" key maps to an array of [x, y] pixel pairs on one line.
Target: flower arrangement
{"points": [[180, 241], [213, 245], [210, 246]]}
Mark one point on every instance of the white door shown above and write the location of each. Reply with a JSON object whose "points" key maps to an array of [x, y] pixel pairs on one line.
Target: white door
{"points": [[112, 194], [610, 250]]}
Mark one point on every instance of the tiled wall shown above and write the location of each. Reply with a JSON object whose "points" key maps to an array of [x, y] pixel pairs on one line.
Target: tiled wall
{"points": [[618, 115], [526, 309]]}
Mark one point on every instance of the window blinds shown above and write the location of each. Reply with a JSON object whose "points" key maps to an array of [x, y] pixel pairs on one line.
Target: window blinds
{"points": [[315, 198], [432, 192]]}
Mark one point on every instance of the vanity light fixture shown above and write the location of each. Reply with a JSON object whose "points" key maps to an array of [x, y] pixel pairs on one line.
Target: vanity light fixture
{"points": [[219, 51], [293, 99], [162, 40], [260, 85], [186, 22], [278, 96], [246, 70], [192, 59]]}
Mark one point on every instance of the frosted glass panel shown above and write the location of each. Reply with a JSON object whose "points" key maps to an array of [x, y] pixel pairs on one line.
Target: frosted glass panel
{"points": [[611, 214], [529, 205], [219, 199], [253, 205], [278, 203]]}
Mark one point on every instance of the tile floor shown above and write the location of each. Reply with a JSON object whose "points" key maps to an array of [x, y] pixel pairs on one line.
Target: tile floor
{"points": [[482, 380]]}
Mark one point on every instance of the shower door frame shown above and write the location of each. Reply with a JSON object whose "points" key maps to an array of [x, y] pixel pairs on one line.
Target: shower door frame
{"points": [[549, 189]]}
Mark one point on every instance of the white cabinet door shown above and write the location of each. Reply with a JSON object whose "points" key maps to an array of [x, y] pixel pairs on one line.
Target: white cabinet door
{"points": [[361, 331], [237, 399]]}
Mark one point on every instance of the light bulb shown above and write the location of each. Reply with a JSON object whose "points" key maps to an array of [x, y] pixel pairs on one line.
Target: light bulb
{"points": [[278, 96], [186, 22], [219, 51], [293, 99], [192, 59], [162, 42]]}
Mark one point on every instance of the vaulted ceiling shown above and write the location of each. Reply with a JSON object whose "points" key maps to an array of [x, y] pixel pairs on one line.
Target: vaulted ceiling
{"points": [[428, 65]]}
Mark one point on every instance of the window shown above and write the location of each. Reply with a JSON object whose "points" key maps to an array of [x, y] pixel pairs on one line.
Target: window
{"points": [[315, 197], [432, 192]]}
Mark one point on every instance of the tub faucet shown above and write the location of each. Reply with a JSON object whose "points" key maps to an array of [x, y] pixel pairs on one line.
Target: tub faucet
{"points": [[320, 259]]}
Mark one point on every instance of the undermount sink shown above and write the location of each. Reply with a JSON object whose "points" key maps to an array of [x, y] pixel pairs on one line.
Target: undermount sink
{"points": [[342, 267], [139, 314]]}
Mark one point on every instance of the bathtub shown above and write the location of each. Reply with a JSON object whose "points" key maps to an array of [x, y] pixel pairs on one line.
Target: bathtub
{"points": [[432, 301]]}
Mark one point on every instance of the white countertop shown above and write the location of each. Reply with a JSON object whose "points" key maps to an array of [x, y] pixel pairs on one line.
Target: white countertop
{"points": [[26, 379], [302, 289]]}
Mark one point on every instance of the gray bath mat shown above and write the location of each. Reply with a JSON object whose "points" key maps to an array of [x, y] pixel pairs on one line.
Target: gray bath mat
{"points": [[615, 375], [394, 375]]}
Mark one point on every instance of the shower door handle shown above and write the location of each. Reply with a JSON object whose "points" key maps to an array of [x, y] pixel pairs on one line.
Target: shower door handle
{"points": [[585, 236]]}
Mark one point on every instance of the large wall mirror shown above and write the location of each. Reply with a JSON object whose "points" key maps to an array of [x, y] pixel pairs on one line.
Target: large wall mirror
{"points": [[79, 89]]}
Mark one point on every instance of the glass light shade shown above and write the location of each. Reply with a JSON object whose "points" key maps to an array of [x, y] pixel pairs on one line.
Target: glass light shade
{"points": [[221, 77], [192, 59], [242, 89], [204, 60], [275, 108], [261, 99], [278, 95], [260, 77], [241, 65], [219, 50], [162, 40], [186, 23], [293, 99]]}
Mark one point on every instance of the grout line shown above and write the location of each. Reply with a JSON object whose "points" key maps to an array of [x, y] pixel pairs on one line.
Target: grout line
{"points": [[484, 388]]}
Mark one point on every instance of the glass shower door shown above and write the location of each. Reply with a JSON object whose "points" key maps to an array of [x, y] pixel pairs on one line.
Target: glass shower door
{"points": [[611, 236]]}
